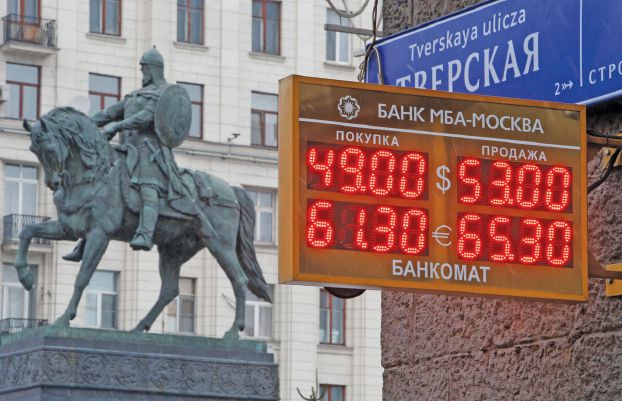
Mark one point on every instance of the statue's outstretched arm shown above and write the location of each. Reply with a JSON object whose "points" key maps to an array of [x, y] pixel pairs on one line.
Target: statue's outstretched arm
{"points": [[112, 113], [143, 119]]}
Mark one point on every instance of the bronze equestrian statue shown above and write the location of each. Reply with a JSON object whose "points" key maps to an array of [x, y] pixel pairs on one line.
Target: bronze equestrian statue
{"points": [[135, 192], [155, 175]]}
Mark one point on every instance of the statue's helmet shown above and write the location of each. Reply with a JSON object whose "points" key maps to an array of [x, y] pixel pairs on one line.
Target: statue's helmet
{"points": [[152, 57]]}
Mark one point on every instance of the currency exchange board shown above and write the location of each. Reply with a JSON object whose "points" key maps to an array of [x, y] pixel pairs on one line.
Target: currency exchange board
{"points": [[387, 187]]}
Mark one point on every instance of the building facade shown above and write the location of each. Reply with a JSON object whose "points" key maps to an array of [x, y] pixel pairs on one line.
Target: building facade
{"points": [[229, 55]]}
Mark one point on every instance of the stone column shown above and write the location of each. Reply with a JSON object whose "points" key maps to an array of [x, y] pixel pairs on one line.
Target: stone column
{"points": [[464, 348]]}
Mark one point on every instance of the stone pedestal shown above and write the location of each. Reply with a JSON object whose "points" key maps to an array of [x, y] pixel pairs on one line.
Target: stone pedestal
{"points": [[55, 364]]}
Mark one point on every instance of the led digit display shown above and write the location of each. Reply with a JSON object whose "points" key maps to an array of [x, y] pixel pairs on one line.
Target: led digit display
{"points": [[502, 183], [369, 228], [522, 240], [387, 187], [367, 171]]}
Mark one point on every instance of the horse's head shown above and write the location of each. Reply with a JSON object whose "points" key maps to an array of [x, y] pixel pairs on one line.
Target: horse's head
{"points": [[62, 136], [50, 152]]}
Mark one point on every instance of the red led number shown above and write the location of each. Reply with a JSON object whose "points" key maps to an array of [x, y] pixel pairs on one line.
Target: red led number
{"points": [[414, 232], [501, 245], [380, 229], [559, 235], [499, 191], [529, 246], [412, 175], [557, 193], [322, 164], [361, 223], [535, 242], [382, 169], [469, 236], [360, 171], [351, 163], [504, 184], [528, 186], [383, 233], [469, 174], [320, 230]]}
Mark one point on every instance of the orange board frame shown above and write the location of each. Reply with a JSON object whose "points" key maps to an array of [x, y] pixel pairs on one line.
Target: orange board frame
{"points": [[310, 111]]}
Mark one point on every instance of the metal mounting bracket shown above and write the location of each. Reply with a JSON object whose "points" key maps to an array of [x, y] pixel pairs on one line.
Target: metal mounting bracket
{"points": [[596, 270], [351, 30], [613, 288], [612, 273], [608, 150], [614, 141]]}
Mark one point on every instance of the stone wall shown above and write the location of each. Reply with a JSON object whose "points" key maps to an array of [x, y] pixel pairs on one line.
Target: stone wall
{"points": [[463, 348]]}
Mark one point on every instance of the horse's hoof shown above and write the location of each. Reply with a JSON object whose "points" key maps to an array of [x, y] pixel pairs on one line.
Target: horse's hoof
{"points": [[140, 327], [73, 257], [231, 335], [61, 322], [25, 276]]}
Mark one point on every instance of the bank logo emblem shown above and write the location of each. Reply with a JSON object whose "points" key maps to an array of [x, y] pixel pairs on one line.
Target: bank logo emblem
{"points": [[348, 107]]}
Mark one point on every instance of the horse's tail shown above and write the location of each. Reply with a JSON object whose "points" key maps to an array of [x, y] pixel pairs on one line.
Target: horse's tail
{"points": [[245, 247]]}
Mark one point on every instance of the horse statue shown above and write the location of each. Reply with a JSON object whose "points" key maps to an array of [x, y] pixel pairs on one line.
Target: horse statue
{"points": [[95, 202]]}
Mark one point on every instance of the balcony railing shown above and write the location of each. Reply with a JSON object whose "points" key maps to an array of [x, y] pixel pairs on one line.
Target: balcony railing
{"points": [[37, 31], [15, 325], [14, 223]]}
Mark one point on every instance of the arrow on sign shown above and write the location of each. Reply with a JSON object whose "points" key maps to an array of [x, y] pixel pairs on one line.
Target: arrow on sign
{"points": [[567, 85]]}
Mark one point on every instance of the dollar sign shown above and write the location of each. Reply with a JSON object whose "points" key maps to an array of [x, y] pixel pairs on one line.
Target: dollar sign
{"points": [[442, 172]]}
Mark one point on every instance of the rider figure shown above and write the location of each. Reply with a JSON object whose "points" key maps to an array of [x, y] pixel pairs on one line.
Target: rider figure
{"points": [[134, 116]]}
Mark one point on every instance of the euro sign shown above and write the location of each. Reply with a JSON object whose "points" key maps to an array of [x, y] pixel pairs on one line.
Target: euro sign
{"points": [[441, 235], [442, 172]]}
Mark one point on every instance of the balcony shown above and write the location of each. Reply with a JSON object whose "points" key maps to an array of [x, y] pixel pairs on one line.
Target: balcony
{"points": [[28, 35], [15, 325], [13, 224]]}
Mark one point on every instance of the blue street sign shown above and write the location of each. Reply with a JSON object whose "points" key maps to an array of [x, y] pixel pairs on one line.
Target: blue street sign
{"points": [[560, 50]]}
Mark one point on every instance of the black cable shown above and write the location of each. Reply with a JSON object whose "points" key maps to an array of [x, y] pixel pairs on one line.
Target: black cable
{"points": [[372, 48], [603, 177], [347, 14]]}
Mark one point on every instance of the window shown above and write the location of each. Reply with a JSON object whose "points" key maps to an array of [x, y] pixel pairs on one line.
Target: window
{"points": [[264, 220], [105, 17], [267, 26], [190, 21], [23, 82], [99, 305], [337, 43], [16, 301], [332, 319], [264, 116], [332, 392], [20, 185], [104, 91], [258, 316], [23, 24], [179, 316], [196, 97], [25, 8]]}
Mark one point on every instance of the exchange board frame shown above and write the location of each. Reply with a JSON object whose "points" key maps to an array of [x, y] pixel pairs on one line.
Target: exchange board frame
{"points": [[371, 225]]}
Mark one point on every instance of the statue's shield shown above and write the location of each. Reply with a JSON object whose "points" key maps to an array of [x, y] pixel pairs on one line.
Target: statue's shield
{"points": [[173, 116]]}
